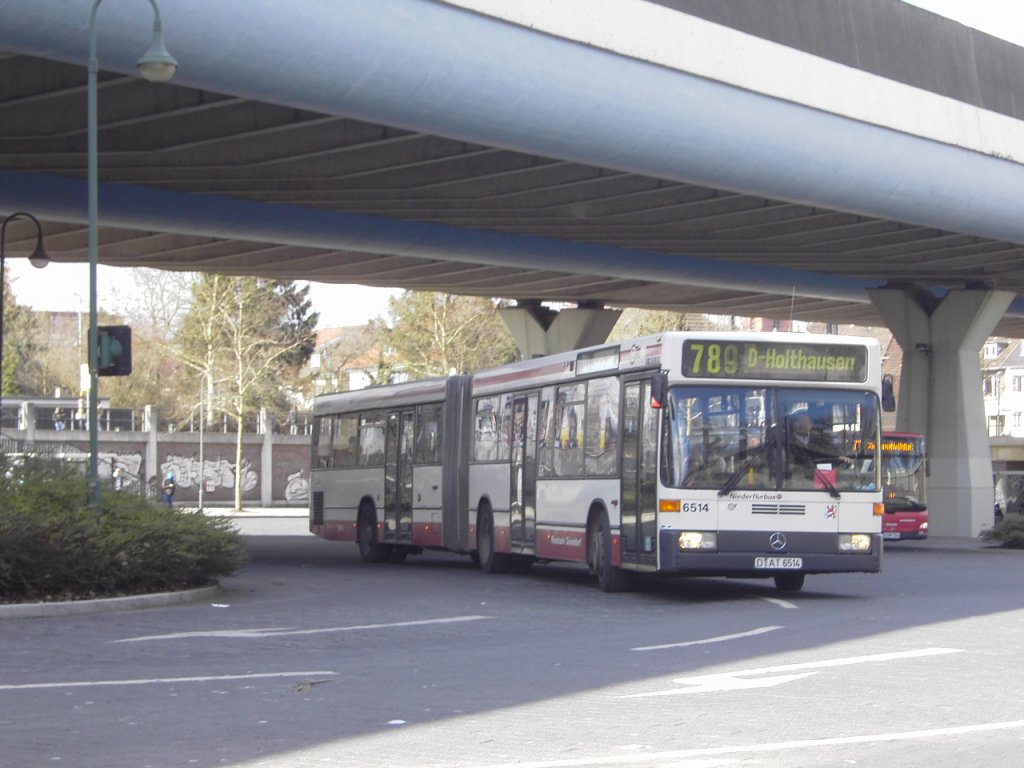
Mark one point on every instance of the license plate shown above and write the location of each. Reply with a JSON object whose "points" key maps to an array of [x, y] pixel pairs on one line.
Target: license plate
{"points": [[779, 563], [890, 535]]}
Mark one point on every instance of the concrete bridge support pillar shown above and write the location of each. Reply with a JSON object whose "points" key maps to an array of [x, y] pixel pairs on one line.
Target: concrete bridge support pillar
{"points": [[941, 395], [541, 331], [151, 466]]}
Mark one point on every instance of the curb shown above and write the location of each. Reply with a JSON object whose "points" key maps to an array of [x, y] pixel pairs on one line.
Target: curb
{"points": [[104, 605], [959, 549]]}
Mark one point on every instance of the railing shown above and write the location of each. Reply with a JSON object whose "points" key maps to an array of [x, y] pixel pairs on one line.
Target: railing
{"points": [[127, 481], [274, 467], [51, 415]]}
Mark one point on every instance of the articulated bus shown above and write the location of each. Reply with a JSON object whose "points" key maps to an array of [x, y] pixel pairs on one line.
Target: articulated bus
{"points": [[904, 493], [733, 454]]}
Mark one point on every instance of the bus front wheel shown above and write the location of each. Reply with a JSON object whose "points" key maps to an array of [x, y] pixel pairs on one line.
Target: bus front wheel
{"points": [[609, 577], [789, 582]]}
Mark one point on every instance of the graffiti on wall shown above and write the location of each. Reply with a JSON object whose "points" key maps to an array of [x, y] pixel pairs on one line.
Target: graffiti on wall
{"points": [[106, 461], [216, 473], [297, 488], [129, 463]]}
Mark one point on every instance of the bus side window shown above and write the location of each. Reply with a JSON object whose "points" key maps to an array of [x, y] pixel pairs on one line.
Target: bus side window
{"points": [[345, 429], [602, 426], [570, 423], [505, 435], [428, 434], [485, 430], [322, 437], [545, 431], [371, 439]]}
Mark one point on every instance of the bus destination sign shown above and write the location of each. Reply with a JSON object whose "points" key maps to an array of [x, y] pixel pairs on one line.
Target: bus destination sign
{"points": [[774, 360]]}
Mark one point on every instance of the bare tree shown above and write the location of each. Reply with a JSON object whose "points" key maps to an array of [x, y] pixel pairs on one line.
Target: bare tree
{"points": [[240, 336], [434, 334], [642, 322], [154, 308]]}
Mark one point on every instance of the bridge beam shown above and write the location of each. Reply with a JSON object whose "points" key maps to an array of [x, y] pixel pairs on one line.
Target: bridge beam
{"points": [[539, 330], [941, 395]]}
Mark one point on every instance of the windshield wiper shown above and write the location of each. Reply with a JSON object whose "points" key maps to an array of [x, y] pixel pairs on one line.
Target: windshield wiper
{"points": [[734, 479], [805, 458]]}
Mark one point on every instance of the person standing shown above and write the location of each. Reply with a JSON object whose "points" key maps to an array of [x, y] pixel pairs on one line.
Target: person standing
{"points": [[167, 489], [118, 476]]}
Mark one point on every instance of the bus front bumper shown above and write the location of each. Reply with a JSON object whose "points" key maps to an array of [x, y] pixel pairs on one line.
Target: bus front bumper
{"points": [[767, 553]]}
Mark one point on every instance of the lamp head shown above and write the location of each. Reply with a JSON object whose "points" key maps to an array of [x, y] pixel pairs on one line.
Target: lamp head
{"points": [[39, 259], [156, 64]]}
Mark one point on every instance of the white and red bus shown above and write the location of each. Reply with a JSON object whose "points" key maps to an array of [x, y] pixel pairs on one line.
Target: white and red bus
{"points": [[904, 486], [675, 454]]}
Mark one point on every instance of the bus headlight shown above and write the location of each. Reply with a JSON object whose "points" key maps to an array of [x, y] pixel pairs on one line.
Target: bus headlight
{"points": [[854, 542], [706, 541]]}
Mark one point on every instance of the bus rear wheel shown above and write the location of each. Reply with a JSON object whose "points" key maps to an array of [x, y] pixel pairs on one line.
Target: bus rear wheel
{"points": [[490, 561], [371, 550]]}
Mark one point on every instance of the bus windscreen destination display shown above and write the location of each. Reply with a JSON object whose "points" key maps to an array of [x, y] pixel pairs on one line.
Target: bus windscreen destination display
{"points": [[774, 360]]}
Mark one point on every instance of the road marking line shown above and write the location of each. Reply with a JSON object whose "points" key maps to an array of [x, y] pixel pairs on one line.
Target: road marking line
{"points": [[165, 680], [850, 660], [741, 679], [719, 639], [282, 631], [780, 746], [779, 602]]}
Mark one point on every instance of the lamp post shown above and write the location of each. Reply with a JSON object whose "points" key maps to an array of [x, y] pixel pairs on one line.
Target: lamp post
{"points": [[157, 66], [38, 258]]}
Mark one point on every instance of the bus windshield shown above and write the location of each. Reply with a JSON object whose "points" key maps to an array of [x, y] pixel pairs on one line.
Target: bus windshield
{"points": [[770, 439], [903, 472]]}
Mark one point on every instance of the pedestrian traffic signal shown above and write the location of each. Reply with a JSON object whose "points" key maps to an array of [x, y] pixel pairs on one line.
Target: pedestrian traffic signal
{"points": [[114, 352]]}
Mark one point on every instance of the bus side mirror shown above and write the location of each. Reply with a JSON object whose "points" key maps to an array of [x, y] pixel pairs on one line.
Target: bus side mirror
{"points": [[888, 395], [659, 388]]}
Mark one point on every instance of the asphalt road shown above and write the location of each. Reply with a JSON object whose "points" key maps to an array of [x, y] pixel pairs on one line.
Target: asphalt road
{"points": [[309, 657]]}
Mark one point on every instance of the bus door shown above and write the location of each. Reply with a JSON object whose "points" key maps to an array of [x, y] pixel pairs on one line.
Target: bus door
{"points": [[638, 529], [523, 508], [398, 477]]}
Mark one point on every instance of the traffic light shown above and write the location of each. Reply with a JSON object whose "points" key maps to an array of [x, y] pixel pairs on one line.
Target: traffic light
{"points": [[114, 355]]}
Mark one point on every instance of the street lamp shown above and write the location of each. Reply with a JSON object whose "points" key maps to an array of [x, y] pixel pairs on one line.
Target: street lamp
{"points": [[38, 258], [156, 65]]}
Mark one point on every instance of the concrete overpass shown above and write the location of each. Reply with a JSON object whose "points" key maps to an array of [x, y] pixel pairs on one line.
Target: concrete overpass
{"points": [[852, 161]]}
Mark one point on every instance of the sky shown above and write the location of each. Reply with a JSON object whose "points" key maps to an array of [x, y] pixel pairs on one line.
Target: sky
{"points": [[999, 18], [65, 287]]}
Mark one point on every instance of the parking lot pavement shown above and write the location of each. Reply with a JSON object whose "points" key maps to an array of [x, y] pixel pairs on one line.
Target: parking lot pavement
{"points": [[293, 521], [948, 544]]}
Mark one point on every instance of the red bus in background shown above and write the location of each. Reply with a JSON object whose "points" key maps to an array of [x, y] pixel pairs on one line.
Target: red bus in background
{"points": [[904, 467]]}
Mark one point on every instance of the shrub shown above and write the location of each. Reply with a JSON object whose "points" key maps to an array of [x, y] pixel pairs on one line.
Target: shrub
{"points": [[1009, 531], [53, 547]]}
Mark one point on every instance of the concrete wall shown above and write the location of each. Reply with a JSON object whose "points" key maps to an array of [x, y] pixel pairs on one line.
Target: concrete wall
{"points": [[274, 467]]}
